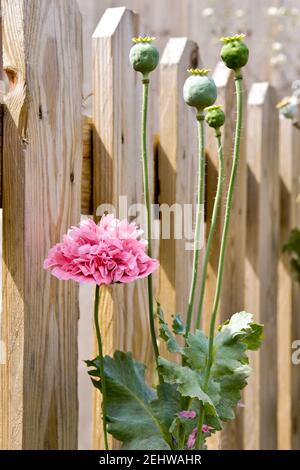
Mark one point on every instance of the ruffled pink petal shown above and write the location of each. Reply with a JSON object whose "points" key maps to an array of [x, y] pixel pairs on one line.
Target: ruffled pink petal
{"points": [[104, 254]]}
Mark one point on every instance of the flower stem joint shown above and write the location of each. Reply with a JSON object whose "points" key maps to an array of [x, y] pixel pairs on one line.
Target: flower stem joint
{"points": [[234, 53], [199, 90], [215, 117], [143, 56]]}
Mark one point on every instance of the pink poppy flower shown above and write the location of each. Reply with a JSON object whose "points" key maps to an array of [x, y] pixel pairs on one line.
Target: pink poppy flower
{"points": [[109, 252]]}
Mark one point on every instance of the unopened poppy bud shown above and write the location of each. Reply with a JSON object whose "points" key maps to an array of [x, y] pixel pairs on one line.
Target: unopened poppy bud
{"points": [[199, 90], [234, 53], [143, 56], [215, 116]]}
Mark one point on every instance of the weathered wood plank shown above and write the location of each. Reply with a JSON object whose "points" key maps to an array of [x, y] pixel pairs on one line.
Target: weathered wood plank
{"points": [[2, 88], [117, 172], [87, 166], [41, 199], [232, 296], [288, 290], [260, 423], [177, 167]]}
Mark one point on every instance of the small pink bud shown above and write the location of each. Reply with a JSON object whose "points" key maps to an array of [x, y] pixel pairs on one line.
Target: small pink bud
{"points": [[188, 414]]}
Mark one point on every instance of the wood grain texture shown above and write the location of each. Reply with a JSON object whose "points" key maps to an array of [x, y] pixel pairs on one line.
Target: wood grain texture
{"points": [[2, 87], [177, 168], [232, 296], [174, 18], [117, 172], [1, 149], [260, 424], [87, 166], [288, 290], [41, 183]]}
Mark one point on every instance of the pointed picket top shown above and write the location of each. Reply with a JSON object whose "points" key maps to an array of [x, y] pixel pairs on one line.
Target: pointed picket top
{"points": [[222, 75], [109, 22], [174, 50], [258, 93]]}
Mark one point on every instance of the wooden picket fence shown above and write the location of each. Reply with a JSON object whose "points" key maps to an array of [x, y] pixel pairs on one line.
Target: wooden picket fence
{"points": [[57, 165]]}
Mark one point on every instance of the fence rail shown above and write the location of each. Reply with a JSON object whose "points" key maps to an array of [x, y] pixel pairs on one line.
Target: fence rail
{"points": [[53, 159]]}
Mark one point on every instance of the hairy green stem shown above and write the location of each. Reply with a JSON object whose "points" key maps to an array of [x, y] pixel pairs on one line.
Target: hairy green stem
{"points": [[148, 210], [199, 213], [212, 227], [100, 353], [239, 93]]}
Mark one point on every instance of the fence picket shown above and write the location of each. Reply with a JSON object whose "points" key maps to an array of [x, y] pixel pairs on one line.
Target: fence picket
{"points": [[117, 172], [41, 199], [288, 290], [260, 426], [232, 296], [177, 167]]}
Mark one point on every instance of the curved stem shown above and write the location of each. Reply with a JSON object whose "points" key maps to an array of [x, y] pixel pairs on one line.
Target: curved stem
{"points": [[148, 209], [212, 227], [199, 212], [239, 92], [100, 352]]}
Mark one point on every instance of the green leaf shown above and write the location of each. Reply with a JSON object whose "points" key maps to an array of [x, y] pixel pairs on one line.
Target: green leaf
{"points": [[166, 334], [147, 443], [136, 415], [189, 382], [178, 326], [196, 352], [230, 368]]}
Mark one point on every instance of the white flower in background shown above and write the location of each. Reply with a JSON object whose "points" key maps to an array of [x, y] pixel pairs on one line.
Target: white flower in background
{"points": [[277, 46], [207, 12], [295, 11], [278, 59], [239, 13], [282, 11], [288, 107], [273, 11]]}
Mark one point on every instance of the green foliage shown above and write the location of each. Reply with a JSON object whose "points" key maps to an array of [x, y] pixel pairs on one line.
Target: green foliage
{"points": [[138, 416], [292, 247], [142, 418], [229, 372], [188, 381], [178, 325], [166, 334]]}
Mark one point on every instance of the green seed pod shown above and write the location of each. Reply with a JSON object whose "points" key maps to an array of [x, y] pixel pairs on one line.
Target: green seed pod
{"points": [[234, 53], [215, 116], [199, 90], [143, 56]]}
